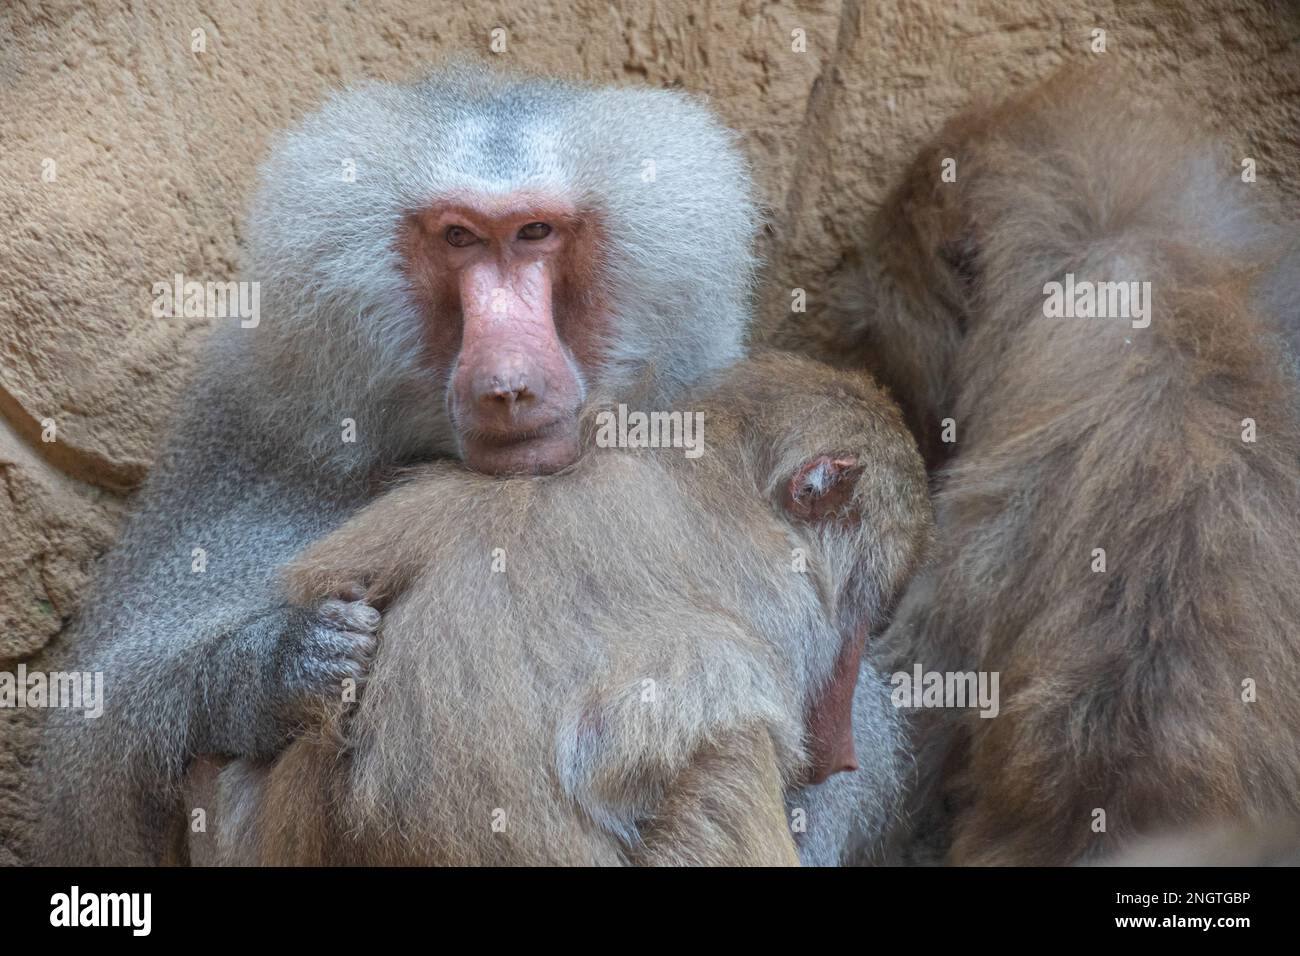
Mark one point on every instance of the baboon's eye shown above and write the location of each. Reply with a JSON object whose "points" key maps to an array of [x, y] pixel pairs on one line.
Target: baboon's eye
{"points": [[460, 237], [535, 230]]}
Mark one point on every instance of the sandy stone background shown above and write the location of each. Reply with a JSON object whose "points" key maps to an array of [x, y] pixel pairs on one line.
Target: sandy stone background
{"points": [[154, 148]]}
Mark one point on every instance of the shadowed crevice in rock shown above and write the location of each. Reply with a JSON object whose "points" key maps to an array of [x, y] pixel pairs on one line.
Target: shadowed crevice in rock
{"points": [[119, 477]]}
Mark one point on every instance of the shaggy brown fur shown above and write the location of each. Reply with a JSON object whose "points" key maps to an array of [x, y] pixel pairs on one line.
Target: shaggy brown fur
{"points": [[1121, 690], [633, 686]]}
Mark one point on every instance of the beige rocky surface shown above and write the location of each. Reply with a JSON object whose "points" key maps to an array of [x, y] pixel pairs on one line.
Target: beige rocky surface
{"points": [[153, 147]]}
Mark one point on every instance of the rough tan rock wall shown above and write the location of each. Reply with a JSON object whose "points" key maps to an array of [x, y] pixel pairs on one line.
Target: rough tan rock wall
{"points": [[154, 147]]}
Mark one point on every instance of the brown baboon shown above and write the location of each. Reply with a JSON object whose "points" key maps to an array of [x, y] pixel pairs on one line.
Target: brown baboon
{"points": [[627, 662], [1094, 309]]}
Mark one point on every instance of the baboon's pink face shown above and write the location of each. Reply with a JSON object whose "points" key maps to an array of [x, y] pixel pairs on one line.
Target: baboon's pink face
{"points": [[514, 316]]}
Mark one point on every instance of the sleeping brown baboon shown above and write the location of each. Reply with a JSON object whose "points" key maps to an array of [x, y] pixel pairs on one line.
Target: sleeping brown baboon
{"points": [[627, 662], [1117, 505]]}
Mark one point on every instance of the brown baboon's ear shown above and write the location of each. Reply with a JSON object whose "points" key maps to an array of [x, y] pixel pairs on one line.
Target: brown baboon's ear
{"points": [[822, 487], [822, 490]]}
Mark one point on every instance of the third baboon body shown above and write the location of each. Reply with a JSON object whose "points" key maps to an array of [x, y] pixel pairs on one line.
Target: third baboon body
{"points": [[1118, 501]]}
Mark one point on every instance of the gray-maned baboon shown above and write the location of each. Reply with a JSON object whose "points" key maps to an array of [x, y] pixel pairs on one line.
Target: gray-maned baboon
{"points": [[665, 644], [445, 270], [1118, 508]]}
